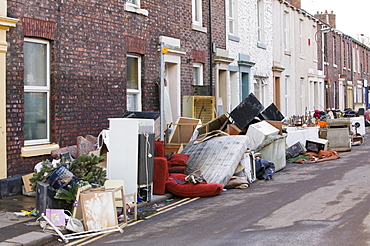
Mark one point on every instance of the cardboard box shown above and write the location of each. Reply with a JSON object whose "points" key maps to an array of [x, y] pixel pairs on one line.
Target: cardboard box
{"points": [[27, 183]]}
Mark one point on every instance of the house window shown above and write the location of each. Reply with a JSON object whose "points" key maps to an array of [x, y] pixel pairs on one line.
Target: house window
{"points": [[344, 54], [197, 74], [231, 17], [197, 12], [325, 47], [134, 2], [286, 95], [359, 92], [348, 55], [133, 83], [36, 91], [260, 89], [301, 38], [286, 30], [334, 51], [314, 44], [260, 20], [301, 90], [135, 7]]}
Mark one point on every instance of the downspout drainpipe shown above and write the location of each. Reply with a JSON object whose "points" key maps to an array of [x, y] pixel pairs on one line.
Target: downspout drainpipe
{"points": [[210, 48], [162, 93], [352, 76]]}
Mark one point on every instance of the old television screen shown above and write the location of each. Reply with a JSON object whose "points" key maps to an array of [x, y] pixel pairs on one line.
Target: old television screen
{"points": [[314, 147]]}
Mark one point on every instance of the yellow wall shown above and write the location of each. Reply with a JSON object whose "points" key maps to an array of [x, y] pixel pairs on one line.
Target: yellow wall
{"points": [[5, 24]]}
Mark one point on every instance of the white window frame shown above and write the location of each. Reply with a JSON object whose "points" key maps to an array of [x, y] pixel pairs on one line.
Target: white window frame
{"points": [[260, 21], [136, 92], [301, 38], [286, 95], [231, 17], [334, 51], [286, 30], [41, 89], [199, 67], [358, 68], [360, 92], [301, 105], [135, 3], [197, 12], [262, 84], [314, 43], [134, 6]]}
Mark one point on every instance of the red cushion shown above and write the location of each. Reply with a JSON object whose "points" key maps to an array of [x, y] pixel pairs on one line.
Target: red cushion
{"points": [[190, 189], [176, 169], [159, 148], [160, 175], [178, 160]]}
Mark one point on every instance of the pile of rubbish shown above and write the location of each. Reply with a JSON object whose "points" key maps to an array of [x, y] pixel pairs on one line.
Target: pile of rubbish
{"points": [[231, 151], [72, 190], [72, 168], [234, 150]]}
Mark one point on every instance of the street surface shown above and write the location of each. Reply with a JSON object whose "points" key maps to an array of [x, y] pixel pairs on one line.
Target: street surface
{"points": [[325, 203]]}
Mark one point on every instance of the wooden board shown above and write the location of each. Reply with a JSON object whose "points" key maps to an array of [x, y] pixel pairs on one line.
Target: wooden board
{"points": [[173, 148], [216, 124], [232, 129], [99, 210], [184, 130]]}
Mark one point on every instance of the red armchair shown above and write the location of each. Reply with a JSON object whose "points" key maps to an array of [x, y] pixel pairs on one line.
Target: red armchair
{"points": [[160, 169], [163, 167]]}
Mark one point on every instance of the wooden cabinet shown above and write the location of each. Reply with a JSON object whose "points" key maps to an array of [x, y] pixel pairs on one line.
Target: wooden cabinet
{"points": [[199, 107]]}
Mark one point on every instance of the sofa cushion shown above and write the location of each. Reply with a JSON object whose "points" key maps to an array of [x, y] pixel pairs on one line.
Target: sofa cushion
{"points": [[178, 160], [176, 169], [177, 185]]}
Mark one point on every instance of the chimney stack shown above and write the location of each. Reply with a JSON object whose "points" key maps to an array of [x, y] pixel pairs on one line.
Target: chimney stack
{"points": [[295, 3], [327, 18]]}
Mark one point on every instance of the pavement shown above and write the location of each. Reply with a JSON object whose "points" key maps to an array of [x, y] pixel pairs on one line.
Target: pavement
{"points": [[17, 230]]}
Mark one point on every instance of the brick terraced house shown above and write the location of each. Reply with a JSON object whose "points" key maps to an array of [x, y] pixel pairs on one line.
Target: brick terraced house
{"points": [[72, 65]]}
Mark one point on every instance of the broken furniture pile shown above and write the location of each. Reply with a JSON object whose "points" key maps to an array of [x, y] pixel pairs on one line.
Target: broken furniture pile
{"points": [[226, 148], [261, 134]]}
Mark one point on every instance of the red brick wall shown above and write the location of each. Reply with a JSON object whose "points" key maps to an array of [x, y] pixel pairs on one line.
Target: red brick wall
{"points": [[89, 42]]}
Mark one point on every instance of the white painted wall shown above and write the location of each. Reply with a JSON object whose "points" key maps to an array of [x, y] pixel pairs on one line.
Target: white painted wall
{"points": [[304, 89], [247, 34]]}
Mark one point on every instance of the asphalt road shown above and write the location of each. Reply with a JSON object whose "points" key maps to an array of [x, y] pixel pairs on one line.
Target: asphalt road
{"points": [[325, 203]]}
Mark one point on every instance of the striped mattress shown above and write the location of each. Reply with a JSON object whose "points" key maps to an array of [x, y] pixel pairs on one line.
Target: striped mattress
{"points": [[216, 158]]}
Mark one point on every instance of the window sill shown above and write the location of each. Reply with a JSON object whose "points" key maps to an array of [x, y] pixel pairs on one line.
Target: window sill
{"points": [[234, 38], [38, 150], [199, 28], [136, 10], [261, 45], [287, 53]]}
